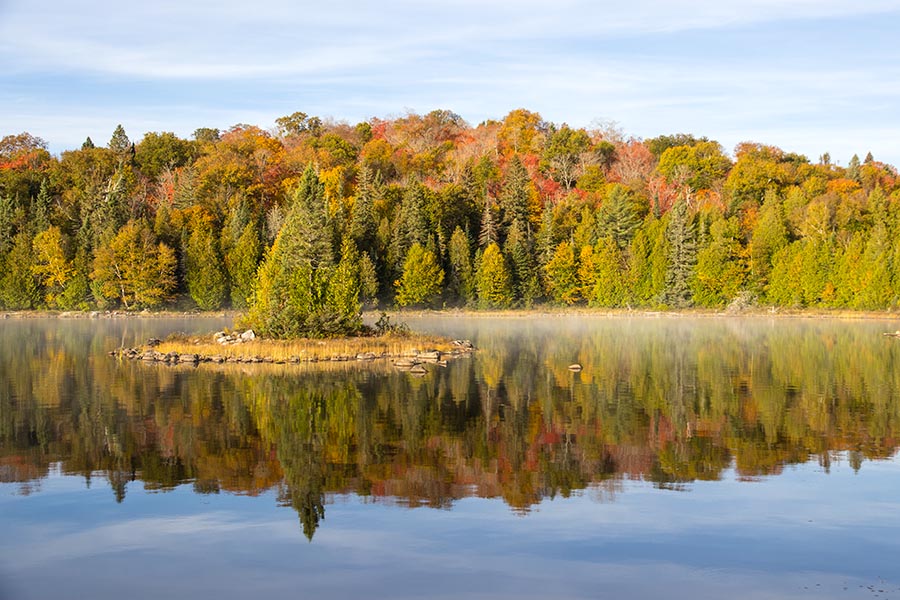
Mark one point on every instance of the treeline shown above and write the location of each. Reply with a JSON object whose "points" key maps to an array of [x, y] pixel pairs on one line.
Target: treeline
{"points": [[304, 223]]}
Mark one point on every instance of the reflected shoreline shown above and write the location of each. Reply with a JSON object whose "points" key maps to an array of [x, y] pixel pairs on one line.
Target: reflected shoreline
{"points": [[668, 401]]}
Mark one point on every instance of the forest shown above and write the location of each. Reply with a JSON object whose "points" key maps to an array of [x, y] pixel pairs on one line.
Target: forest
{"points": [[302, 225]]}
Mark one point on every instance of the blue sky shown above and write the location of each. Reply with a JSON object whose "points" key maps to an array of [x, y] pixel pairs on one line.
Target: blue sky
{"points": [[807, 75]]}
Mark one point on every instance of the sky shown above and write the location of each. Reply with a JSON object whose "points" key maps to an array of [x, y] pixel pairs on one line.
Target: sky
{"points": [[810, 76]]}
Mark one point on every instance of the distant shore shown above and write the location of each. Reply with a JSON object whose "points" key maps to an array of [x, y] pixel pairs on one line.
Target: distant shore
{"points": [[541, 311]]}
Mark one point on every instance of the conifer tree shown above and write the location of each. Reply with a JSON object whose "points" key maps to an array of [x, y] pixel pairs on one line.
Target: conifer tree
{"points": [[461, 276], [609, 285], [519, 249], [204, 273], [682, 257], [489, 234], [515, 194], [492, 280], [618, 217], [561, 275]]}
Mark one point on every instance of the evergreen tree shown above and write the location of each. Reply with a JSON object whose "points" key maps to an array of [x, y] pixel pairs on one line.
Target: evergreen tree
{"points": [[40, 217], [519, 249], [561, 275], [363, 227], [242, 261], [618, 217], [421, 280], [682, 257], [492, 280], [514, 198], [204, 273], [291, 297], [460, 281], [344, 291], [609, 286], [488, 234]]}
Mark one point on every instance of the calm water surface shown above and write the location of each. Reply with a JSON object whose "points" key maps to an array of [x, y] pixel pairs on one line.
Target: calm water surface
{"points": [[691, 458]]}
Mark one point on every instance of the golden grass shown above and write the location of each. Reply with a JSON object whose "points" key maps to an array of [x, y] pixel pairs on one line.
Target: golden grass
{"points": [[307, 349]]}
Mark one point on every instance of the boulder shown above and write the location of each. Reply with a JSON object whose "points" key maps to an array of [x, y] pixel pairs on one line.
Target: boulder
{"points": [[248, 336]]}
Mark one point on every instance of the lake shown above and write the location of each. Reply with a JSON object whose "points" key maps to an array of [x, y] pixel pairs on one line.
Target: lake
{"points": [[690, 458]]}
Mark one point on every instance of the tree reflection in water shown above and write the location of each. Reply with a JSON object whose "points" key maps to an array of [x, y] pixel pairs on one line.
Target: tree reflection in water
{"points": [[666, 401]]}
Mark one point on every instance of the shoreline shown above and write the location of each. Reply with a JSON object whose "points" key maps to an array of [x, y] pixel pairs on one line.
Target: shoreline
{"points": [[544, 311]]}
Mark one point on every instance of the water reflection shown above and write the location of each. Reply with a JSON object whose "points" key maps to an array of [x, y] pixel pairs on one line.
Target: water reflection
{"points": [[670, 401]]}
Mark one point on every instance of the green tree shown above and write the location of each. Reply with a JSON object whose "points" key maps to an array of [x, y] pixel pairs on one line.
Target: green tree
{"points": [[492, 280], [519, 248], [768, 237], [720, 272], [19, 285], [618, 217], [461, 277], [421, 280], [242, 261], [561, 275], [204, 273], [682, 257], [609, 284]]}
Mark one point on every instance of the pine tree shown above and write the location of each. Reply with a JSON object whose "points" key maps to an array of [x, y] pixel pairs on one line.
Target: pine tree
{"points": [[492, 280], [618, 217], [514, 198], [682, 258]]}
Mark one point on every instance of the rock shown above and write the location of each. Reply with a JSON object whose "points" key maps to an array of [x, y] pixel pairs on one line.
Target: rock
{"points": [[365, 356], [188, 358], [575, 367], [154, 342], [463, 344], [430, 355], [405, 363], [248, 336]]}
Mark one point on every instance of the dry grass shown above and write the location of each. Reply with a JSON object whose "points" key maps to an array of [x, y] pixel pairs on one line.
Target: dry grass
{"points": [[306, 349]]}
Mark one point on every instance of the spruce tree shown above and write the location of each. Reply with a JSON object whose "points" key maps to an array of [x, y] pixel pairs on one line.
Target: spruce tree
{"points": [[460, 280], [204, 274], [514, 197], [682, 257]]}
